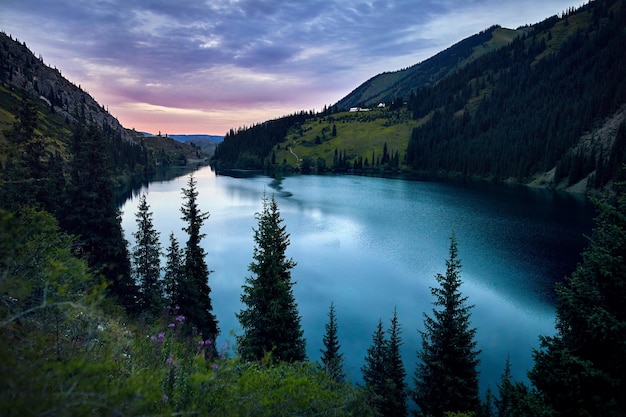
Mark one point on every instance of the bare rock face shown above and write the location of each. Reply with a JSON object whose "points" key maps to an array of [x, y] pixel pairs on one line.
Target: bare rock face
{"points": [[21, 70]]}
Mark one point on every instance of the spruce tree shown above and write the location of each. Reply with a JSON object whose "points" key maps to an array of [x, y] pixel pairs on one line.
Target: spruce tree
{"points": [[396, 398], [332, 358], [580, 371], [384, 373], [504, 400], [174, 270], [446, 378], [93, 215], [374, 370], [146, 257], [270, 319], [194, 294]]}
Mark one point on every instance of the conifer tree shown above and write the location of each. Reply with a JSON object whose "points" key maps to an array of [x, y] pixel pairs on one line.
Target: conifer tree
{"points": [[446, 378], [580, 371], [374, 372], [146, 257], [396, 398], [504, 400], [174, 270], [332, 358], [92, 214], [194, 294], [384, 373], [270, 319]]}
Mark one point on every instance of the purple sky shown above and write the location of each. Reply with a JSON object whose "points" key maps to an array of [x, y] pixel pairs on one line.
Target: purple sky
{"points": [[186, 66]]}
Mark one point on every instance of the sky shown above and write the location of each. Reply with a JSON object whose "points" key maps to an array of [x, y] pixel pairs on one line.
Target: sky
{"points": [[204, 67]]}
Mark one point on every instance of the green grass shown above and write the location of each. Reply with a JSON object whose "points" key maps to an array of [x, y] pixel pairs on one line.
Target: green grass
{"points": [[358, 134]]}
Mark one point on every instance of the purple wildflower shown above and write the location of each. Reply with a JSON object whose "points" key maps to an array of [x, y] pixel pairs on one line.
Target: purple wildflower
{"points": [[153, 339], [207, 342], [171, 325], [180, 318], [214, 366], [161, 338], [176, 308], [169, 360]]}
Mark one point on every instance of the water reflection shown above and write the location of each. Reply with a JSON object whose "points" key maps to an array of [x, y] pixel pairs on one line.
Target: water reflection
{"points": [[372, 244]]}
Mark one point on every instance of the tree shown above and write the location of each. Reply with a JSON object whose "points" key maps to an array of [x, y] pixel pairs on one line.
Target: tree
{"points": [[396, 398], [374, 373], [270, 320], [146, 257], [504, 401], [446, 378], [174, 270], [92, 214], [581, 369], [332, 358], [384, 373], [194, 293]]}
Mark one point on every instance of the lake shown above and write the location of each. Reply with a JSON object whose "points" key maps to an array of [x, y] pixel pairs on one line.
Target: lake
{"points": [[373, 244]]}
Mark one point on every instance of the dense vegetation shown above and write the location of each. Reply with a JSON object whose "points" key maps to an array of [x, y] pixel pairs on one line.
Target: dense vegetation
{"points": [[521, 110], [543, 106], [90, 327]]}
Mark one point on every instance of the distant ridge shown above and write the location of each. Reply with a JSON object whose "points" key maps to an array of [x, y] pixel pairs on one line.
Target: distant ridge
{"points": [[389, 86], [189, 137]]}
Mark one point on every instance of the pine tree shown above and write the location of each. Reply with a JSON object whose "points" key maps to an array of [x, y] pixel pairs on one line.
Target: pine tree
{"points": [[504, 401], [270, 320], [580, 371], [146, 257], [92, 214], [332, 358], [194, 293], [384, 373], [446, 378], [396, 398], [374, 370], [174, 270]]}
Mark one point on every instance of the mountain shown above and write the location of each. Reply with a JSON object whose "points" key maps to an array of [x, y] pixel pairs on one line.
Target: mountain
{"points": [[61, 105], [389, 86], [543, 105], [205, 143]]}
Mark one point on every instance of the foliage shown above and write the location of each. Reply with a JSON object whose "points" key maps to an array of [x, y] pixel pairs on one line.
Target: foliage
{"points": [[522, 109], [270, 319], [66, 356], [93, 216], [384, 373], [193, 293], [281, 389], [580, 371], [332, 358], [446, 378], [248, 147], [146, 261], [174, 270]]}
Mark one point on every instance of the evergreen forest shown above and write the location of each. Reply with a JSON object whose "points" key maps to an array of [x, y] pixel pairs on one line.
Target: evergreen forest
{"points": [[544, 105], [92, 324]]}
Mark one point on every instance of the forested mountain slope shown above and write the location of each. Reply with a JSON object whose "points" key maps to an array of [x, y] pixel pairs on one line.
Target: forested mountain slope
{"points": [[542, 104], [539, 105], [49, 108], [389, 86]]}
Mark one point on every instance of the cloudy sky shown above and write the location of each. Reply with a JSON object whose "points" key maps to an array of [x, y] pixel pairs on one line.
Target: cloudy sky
{"points": [[192, 66]]}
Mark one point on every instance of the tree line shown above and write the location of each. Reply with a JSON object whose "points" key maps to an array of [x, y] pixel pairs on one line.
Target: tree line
{"points": [[522, 109], [576, 372]]}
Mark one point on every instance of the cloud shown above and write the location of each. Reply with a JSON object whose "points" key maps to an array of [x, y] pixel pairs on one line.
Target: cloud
{"points": [[249, 57]]}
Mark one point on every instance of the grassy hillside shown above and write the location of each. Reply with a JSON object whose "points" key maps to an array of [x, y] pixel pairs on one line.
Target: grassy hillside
{"points": [[358, 134]]}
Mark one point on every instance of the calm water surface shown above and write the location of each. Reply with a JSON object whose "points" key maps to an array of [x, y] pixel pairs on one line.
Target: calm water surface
{"points": [[371, 245]]}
